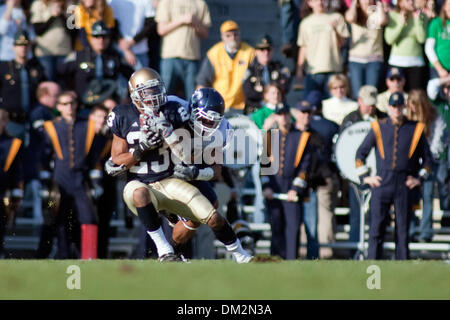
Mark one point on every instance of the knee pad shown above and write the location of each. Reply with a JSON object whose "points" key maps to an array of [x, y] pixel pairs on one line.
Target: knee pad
{"points": [[128, 192]]}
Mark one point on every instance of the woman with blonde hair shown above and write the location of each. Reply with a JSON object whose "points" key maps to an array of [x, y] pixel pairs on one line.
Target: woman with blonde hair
{"points": [[339, 105], [419, 108]]}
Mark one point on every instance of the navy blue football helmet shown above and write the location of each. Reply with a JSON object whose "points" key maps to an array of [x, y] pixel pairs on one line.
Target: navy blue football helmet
{"points": [[207, 108]]}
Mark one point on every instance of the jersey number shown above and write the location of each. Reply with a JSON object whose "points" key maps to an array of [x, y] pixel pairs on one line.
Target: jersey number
{"points": [[156, 166]]}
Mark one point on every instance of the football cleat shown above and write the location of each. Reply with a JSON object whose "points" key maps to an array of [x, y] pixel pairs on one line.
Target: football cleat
{"points": [[170, 257], [242, 258]]}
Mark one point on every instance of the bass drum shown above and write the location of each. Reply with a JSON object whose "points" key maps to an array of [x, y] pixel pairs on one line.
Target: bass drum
{"points": [[246, 145], [345, 151]]}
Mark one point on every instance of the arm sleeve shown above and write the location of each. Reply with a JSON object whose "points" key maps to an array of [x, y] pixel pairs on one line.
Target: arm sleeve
{"points": [[303, 168], [15, 173], [67, 69], [420, 29], [205, 16], [41, 27], [257, 118], [47, 151], [427, 158], [341, 28], [433, 89], [362, 153], [285, 78], [149, 24], [393, 30], [4, 26], [302, 39], [429, 50], [115, 33], [345, 123], [83, 37], [98, 144], [125, 69], [249, 91], [113, 122], [205, 76], [436, 143], [109, 17], [162, 12]]}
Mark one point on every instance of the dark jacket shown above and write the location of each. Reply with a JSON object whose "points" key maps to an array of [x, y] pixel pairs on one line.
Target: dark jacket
{"points": [[253, 85]]}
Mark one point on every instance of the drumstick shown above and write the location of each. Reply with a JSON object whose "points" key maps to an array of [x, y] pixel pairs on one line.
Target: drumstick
{"points": [[282, 196]]}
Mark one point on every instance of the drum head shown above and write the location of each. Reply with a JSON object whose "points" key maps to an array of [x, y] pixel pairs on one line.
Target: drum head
{"points": [[345, 151], [246, 145]]}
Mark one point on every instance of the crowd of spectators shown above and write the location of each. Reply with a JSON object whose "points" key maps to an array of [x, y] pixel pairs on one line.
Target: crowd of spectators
{"points": [[349, 58]]}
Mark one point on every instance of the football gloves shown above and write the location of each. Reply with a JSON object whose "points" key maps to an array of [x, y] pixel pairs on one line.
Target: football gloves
{"points": [[158, 123], [149, 138], [113, 169], [185, 172]]}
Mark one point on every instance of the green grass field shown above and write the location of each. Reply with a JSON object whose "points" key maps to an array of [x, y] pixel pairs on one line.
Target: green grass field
{"points": [[223, 279]]}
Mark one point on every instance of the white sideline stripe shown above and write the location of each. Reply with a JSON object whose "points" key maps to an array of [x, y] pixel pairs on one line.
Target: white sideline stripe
{"points": [[354, 245], [343, 211]]}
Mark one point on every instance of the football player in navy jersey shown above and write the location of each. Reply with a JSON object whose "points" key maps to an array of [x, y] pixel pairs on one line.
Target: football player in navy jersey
{"points": [[141, 134]]}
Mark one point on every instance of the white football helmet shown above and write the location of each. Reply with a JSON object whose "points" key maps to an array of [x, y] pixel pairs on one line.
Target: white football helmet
{"points": [[147, 90]]}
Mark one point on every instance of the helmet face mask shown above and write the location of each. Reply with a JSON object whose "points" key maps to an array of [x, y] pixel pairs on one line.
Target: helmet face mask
{"points": [[205, 124], [207, 107], [147, 91]]}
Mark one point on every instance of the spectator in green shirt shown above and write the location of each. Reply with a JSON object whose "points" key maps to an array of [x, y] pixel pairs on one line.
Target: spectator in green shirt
{"points": [[273, 101], [437, 46]]}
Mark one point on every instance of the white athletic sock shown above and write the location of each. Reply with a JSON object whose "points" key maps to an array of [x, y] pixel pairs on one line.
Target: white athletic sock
{"points": [[162, 245], [239, 253]]}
